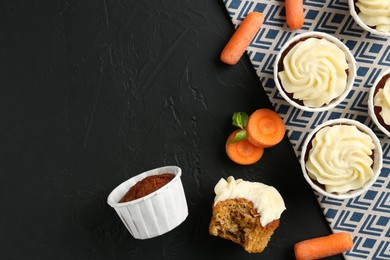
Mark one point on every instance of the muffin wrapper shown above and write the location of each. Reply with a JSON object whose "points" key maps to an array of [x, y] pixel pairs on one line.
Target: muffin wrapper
{"points": [[351, 70], [156, 213], [377, 164], [371, 106], [359, 21]]}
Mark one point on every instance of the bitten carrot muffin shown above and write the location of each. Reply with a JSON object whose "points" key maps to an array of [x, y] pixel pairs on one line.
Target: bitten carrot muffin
{"points": [[246, 213]]}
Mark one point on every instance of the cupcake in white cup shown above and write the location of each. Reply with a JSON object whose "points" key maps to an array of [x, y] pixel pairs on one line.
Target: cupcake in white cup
{"points": [[156, 212], [341, 158], [314, 71], [372, 16], [379, 102]]}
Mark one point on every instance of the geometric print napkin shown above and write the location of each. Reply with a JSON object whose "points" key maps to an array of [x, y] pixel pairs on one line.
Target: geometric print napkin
{"points": [[366, 217]]}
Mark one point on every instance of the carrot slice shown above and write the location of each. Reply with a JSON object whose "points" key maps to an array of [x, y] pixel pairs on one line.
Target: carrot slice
{"points": [[294, 13], [242, 152], [241, 38], [321, 247], [265, 128]]}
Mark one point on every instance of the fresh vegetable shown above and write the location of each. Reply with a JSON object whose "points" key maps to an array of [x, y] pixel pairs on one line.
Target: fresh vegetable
{"points": [[241, 38], [242, 151], [265, 128], [294, 13], [321, 247]]}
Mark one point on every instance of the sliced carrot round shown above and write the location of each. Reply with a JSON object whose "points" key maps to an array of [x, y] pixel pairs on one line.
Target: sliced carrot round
{"points": [[243, 152], [265, 128]]}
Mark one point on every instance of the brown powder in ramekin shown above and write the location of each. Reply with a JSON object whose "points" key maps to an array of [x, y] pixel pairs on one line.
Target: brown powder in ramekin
{"points": [[146, 186]]}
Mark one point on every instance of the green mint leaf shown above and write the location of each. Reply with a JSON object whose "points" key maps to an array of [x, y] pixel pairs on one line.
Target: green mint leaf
{"points": [[240, 119], [241, 135]]}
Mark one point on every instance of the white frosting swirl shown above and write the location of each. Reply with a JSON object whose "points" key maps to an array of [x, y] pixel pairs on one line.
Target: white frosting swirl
{"points": [[375, 13], [382, 100], [340, 158], [315, 72], [266, 199]]}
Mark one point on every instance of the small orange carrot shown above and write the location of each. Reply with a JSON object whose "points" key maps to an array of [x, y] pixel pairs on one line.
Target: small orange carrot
{"points": [[241, 38], [265, 128], [242, 152], [321, 247], [294, 13]]}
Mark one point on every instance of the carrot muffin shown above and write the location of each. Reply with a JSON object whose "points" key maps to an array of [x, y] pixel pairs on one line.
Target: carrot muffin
{"points": [[375, 14], [340, 158], [382, 102], [246, 213], [313, 72]]}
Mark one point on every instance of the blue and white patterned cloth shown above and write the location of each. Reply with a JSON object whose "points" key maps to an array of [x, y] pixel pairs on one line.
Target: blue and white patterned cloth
{"points": [[366, 217]]}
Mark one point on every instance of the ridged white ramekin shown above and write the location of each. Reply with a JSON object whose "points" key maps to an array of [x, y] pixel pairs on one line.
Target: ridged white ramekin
{"points": [[155, 213]]}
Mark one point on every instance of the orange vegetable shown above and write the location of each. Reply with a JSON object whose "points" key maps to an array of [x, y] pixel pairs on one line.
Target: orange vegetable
{"points": [[265, 128], [242, 152], [321, 247], [241, 38], [294, 13]]}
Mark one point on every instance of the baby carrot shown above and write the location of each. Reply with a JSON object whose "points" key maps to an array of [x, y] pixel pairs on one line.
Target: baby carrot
{"points": [[294, 13], [265, 128], [241, 38], [321, 247], [242, 152]]}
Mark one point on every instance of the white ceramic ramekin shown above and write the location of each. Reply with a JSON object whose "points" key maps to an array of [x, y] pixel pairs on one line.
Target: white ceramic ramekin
{"points": [[352, 10], [351, 71], [371, 106], [377, 164], [155, 213]]}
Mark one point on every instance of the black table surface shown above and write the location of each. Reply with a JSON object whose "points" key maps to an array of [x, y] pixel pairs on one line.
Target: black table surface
{"points": [[95, 92]]}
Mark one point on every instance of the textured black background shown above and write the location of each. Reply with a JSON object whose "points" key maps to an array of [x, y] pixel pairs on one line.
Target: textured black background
{"points": [[95, 92]]}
